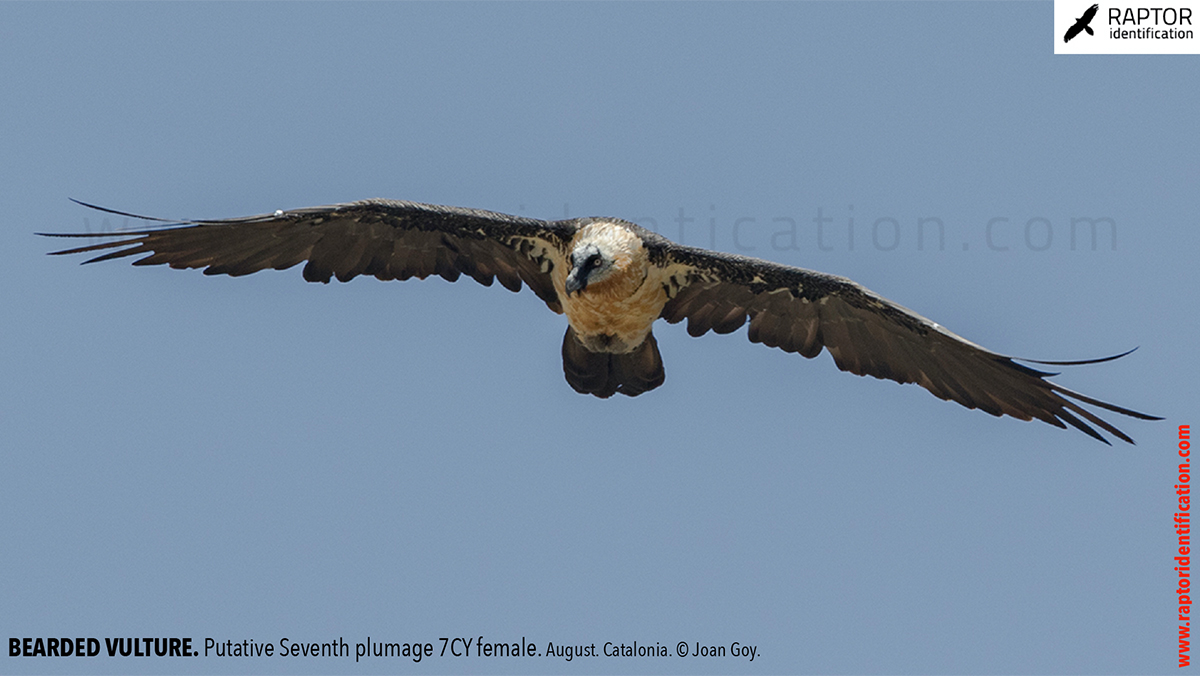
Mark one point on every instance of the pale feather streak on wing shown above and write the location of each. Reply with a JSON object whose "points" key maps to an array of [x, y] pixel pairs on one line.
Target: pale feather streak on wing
{"points": [[379, 238], [802, 311]]}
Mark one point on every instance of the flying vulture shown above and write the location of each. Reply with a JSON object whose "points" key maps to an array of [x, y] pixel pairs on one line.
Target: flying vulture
{"points": [[1081, 24], [613, 279]]}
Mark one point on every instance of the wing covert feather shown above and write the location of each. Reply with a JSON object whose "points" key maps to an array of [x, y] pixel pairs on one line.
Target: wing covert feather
{"points": [[804, 312], [385, 239]]}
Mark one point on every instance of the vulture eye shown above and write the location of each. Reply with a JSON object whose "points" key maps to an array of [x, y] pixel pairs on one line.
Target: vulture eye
{"points": [[595, 262]]}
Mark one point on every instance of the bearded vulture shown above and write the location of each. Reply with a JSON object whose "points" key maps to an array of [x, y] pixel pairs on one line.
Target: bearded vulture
{"points": [[613, 279]]}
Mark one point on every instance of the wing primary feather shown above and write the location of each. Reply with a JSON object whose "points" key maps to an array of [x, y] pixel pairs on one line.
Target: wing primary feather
{"points": [[117, 254], [1077, 362], [1102, 404], [92, 247], [1097, 420], [1082, 427], [119, 213]]}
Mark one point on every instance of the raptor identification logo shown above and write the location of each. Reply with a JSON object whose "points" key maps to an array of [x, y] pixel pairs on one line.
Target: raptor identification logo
{"points": [[1127, 27]]}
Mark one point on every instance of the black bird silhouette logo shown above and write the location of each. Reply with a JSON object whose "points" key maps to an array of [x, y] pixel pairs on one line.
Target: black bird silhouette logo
{"points": [[1081, 24]]}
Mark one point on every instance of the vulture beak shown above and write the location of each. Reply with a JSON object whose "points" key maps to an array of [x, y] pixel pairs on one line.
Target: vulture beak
{"points": [[576, 280]]}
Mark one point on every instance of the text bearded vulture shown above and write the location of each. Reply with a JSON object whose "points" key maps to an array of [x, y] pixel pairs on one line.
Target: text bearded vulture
{"points": [[613, 279]]}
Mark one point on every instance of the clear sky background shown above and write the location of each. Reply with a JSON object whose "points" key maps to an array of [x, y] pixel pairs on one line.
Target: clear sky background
{"points": [[260, 458]]}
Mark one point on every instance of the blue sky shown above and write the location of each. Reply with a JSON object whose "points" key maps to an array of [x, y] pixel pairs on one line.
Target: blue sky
{"points": [[260, 458]]}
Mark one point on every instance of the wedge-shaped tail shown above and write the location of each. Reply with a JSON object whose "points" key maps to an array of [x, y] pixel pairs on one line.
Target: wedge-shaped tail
{"points": [[604, 373]]}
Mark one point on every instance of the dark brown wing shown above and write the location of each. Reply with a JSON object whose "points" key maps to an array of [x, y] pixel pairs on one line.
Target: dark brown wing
{"points": [[381, 238], [803, 311]]}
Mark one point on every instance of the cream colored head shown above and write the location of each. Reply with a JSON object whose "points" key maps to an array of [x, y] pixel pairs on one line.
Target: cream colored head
{"points": [[601, 252]]}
